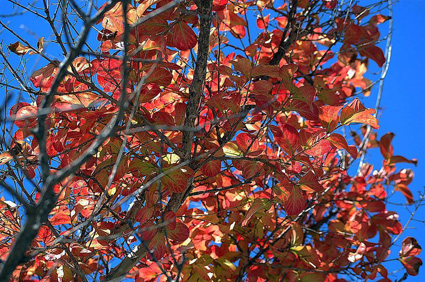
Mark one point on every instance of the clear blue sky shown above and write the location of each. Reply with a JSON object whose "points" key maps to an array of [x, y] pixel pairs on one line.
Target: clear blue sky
{"points": [[403, 102]]}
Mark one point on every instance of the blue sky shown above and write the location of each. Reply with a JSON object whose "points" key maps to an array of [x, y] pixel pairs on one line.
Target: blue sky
{"points": [[403, 99], [403, 102]]}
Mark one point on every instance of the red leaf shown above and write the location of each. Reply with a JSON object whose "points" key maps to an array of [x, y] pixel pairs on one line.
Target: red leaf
{"points": [[320, 149], [309, 183], [353, 34], [263, 22], [211, 168], [305, 93], [375, 53], [401, 159], [289, 139], [148, 92], [249, 168], [144, 214], [26, 117], [306, 111], [330, 4], [219, 5], [148, 230], [410, 247], [182, 36], [158, 245], [170, 220], [247, 142], [406, 192], [295, 203], [385, 145], [41, 77], [180, 233], [340, 143], [160, 76], [262, 87]]}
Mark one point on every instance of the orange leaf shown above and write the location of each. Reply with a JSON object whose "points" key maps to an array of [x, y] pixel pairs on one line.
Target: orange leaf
{"points": [[266, 70], [263, 22], [328, 116], [355, 112], [378, 19], [5, 158], [60, 218], [353, 107], [329, 96]]}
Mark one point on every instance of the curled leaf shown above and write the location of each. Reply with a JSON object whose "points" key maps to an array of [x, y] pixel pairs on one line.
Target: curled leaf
{"points": [[40, 47], [18, 48], [410, 247]]}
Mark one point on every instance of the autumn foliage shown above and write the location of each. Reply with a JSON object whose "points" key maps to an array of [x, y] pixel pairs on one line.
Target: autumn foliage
{"points": [[204, 140]]}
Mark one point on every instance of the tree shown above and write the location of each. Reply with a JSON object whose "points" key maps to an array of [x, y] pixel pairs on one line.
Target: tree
{"points": [[199, 140]]}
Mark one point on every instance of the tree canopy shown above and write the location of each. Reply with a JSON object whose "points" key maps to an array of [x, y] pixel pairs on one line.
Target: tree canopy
{"points": [[200, 140]]}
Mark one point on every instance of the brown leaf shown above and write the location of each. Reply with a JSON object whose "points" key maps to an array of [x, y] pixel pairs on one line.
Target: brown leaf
{"points": [[18, 48], [40, 46]]}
